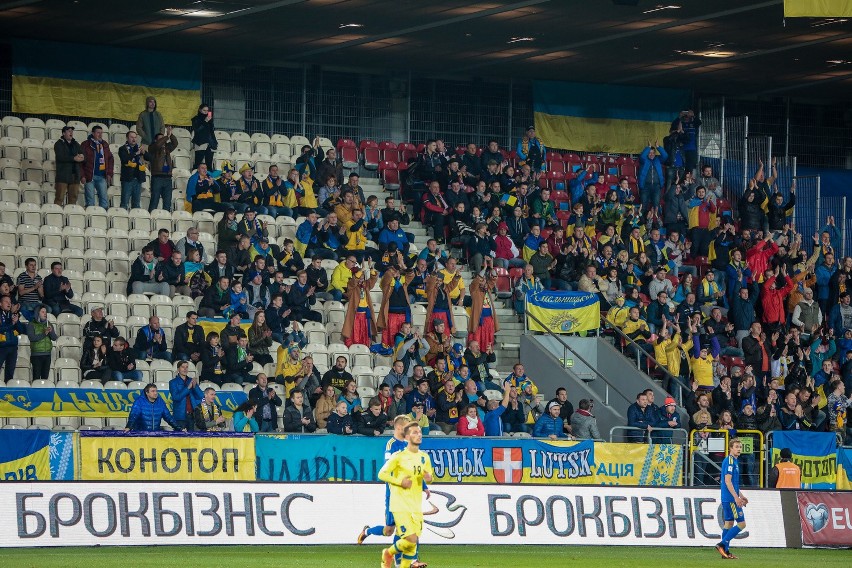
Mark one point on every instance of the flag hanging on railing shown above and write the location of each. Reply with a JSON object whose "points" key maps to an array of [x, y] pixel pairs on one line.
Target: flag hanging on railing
{"points": [[563, 312]]}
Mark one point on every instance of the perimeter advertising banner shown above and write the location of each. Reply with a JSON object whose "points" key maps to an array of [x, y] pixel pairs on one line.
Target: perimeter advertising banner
{"points": [[175, 456], [472, 460], [128, 513], [826, 518]]}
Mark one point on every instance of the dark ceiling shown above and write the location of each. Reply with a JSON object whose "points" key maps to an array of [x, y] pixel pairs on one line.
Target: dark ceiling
{"points": [[581, 40]]}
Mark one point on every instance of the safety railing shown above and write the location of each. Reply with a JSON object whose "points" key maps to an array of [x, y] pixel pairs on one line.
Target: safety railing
{"points": [[654, 435], [676, 382], [705, 443], [566, 350]]}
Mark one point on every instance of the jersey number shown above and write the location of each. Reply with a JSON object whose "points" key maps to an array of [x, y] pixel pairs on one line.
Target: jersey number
{"points": [[417, 469]]}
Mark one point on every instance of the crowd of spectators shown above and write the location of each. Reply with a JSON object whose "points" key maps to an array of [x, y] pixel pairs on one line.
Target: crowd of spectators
{"points": [[732, 304]]}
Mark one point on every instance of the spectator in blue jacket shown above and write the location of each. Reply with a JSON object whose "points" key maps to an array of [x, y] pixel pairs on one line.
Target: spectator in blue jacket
{"points": [[651, 174], [640, 415], [578, 185], [738, 275], [186, 395], [840, 317], [393, 234], [824, 272], [148, 412], [550, 424]]}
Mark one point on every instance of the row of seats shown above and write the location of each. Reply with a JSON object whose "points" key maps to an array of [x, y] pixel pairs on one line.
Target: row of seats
{"points": [[94, 217]]}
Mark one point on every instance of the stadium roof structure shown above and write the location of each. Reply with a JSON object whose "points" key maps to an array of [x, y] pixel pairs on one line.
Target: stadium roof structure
{"points": [[736, 47]]}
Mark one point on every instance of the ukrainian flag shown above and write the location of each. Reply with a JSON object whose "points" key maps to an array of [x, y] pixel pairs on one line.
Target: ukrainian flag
{"points": [[25, 455], [604, 118], [104, 82], [564, 312], [817, 8]]}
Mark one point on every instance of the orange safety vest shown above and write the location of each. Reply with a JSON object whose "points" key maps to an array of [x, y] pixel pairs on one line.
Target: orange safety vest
{"points": [[789, 476]]}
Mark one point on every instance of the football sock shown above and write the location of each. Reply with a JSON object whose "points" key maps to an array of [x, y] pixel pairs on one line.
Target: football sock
{"points": [[376, 531], [396, 548], [408, 549], [730, 535]]}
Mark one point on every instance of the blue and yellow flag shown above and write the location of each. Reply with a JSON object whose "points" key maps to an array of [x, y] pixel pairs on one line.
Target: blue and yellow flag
{"points": [[90, 403], [564, 312], [814, 452], [817, 8], [844, 469], [604, 118], [36, 455], [104, 82]]}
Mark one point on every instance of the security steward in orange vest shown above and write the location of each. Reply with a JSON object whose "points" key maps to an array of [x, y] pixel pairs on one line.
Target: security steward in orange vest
{"points": [[785, 474]]}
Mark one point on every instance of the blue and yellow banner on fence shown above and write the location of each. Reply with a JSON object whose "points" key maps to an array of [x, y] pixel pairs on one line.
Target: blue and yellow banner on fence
{"points": [[563, 312], [844, 469], [89, 403], [167, 456], [817, 8], [604, 118], [102, 81], [37, 455], [472, 460], [814, 452]]}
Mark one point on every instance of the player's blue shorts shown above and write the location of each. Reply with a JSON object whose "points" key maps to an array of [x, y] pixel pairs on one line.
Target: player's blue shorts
{"points": [[730, 512]]}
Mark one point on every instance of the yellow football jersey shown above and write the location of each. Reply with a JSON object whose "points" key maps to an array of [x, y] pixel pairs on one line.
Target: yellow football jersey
{"points": [[401, 465]]}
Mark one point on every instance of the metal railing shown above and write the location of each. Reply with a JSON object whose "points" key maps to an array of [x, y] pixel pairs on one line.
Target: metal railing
{"points": [[673, 380], [701, 446], [566, 350], [648, 436]]}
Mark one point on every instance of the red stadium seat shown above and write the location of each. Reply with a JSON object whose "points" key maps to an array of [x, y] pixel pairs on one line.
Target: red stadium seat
{"points": [[563, 217], [556, 166], [408, 151], [389, 173], [388, 152], [345, 143], [420, 148], [504, 283], [349, 157], [628, 170], [369, 154], [561, 200]]}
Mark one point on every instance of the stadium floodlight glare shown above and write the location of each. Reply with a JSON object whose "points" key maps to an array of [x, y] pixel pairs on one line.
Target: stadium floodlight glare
{"points": [[344, 26], [660, 7], [520, 39]]}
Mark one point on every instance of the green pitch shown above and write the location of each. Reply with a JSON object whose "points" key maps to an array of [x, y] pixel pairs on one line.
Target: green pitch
{"points": [[436, 556]]}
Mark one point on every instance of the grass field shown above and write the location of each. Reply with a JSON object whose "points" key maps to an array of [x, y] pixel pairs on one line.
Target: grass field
{"points": [[436, 556]]}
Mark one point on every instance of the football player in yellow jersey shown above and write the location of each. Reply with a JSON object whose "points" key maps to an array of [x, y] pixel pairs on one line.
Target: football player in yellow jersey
{"points": [[405, 472]]}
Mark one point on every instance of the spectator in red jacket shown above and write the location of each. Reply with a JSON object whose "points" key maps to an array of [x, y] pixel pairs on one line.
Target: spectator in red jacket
{"points": [[506, 252], [757, 257], [470, 424], [775, 290]]}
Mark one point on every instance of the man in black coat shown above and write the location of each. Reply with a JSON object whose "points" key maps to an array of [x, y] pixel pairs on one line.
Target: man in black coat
{"points": [[267, 404], [189, 339], [69, 157]]}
